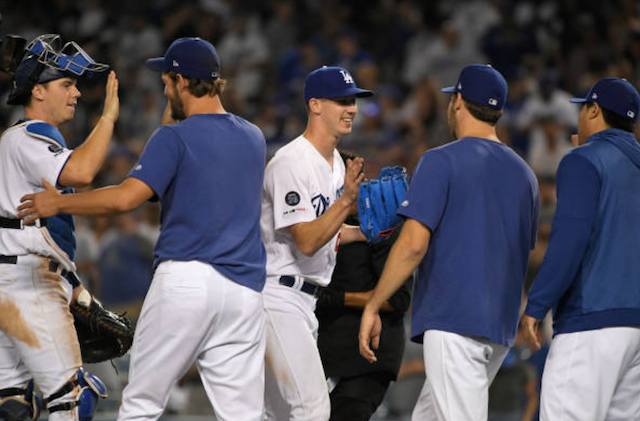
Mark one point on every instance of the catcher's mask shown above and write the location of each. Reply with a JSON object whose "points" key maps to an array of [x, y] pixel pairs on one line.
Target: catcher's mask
{"points": [[46, 59]]}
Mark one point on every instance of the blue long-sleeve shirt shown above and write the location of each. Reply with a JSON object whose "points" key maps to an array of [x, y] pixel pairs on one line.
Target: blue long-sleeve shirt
{"points": [[591, 274]]}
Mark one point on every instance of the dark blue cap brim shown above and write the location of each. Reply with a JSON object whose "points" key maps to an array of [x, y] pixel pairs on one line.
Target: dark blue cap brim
{"points": [[357, 92], [449, 90], [579, 100], [156, 64], [362, 93]]}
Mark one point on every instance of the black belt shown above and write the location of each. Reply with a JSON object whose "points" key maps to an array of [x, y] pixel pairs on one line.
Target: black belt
{"points": [[18, 224], [307, 287], [53, 266]]}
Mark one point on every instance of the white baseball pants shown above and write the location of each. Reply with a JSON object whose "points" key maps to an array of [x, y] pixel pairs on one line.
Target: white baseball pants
{"points": [[192, 313], [459, 371], [37, 337], [296, 389], [592, 375]]}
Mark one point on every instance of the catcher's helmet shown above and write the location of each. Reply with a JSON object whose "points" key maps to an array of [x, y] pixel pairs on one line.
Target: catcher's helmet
{"points": [[44, 60]]}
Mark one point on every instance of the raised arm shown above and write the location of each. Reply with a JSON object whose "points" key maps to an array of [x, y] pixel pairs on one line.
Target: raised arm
{"points": [[87, 159]]}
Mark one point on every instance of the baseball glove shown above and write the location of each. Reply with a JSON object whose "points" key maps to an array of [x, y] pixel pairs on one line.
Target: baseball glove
{"points": [[378, 201], [103, 335]]}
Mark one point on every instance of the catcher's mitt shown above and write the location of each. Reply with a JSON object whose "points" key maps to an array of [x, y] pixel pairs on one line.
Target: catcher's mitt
{"points": [[378, 201], [103, 335]]}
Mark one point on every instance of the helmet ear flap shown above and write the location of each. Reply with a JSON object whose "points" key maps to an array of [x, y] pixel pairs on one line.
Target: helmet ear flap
{"points": [[24, 78]]}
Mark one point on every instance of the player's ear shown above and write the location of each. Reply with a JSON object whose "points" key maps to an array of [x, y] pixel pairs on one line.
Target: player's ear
{"points": [[37, 91], [457, 101], [593, 111], [180, 81], [314, 106]]}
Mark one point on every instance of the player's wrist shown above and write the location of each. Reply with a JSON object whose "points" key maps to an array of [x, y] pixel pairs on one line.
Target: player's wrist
{"points": [[347, 200], [372, 306], [109, 119]]}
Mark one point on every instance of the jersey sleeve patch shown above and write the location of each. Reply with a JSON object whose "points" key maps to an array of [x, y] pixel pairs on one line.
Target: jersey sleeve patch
{"points": [[292, 198]]}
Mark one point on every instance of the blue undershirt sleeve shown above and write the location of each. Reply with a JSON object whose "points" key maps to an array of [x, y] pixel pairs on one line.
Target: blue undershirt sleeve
{"points": [[578, 190]]}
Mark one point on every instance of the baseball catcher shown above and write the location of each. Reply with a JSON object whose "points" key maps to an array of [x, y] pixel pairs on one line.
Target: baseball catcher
{"points": [[378, 201]]}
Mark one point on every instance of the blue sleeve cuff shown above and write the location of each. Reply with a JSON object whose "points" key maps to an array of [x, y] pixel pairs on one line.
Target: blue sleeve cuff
{"points": [[536, 310]]}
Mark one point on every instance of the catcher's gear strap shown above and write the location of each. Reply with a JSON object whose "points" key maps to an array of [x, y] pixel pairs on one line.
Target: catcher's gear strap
{"points": [[66, 388], [92, 388], [19, 404], [11, 391], [66, 406], [72, 278]]}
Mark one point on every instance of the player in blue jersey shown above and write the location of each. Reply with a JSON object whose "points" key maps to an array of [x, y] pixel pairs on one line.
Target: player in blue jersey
{"points": [[591, 273], [471, 218], [205, 304], [37, 335]]}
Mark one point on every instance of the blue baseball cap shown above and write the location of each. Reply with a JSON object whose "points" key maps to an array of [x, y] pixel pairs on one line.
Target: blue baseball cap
{"points": [[331, 82], [615, 95], [193, 57], [482, 85]]}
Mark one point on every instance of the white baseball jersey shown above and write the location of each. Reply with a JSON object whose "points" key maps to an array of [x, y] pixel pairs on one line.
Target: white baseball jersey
{"points": [[25, 159], [299, 186], [37, 337]]}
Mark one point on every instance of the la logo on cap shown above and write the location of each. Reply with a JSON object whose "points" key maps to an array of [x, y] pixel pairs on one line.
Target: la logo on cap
{"points": [[631, 114], [347, 77], [493, 102], [175, 64], [594, 96]]}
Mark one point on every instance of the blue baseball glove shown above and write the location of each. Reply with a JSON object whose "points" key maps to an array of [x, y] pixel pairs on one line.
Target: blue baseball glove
{"points": [[378, 201]]}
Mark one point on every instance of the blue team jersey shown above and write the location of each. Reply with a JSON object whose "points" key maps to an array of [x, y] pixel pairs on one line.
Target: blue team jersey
{"points": [[480, 201], [207, 171]]}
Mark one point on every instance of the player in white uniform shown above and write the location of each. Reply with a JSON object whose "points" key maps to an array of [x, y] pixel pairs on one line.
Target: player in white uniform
{"points": [[37, 336], [306, 198]]}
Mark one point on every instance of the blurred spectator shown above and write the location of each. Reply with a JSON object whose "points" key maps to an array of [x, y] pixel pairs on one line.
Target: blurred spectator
{"points": [[519, 93], [442, 58], [511, 43], [549, 144], [244, 52], [126, 263]]}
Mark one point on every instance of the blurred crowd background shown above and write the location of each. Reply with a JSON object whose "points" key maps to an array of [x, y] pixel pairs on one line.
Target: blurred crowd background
{"points": [[404, 50]]}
